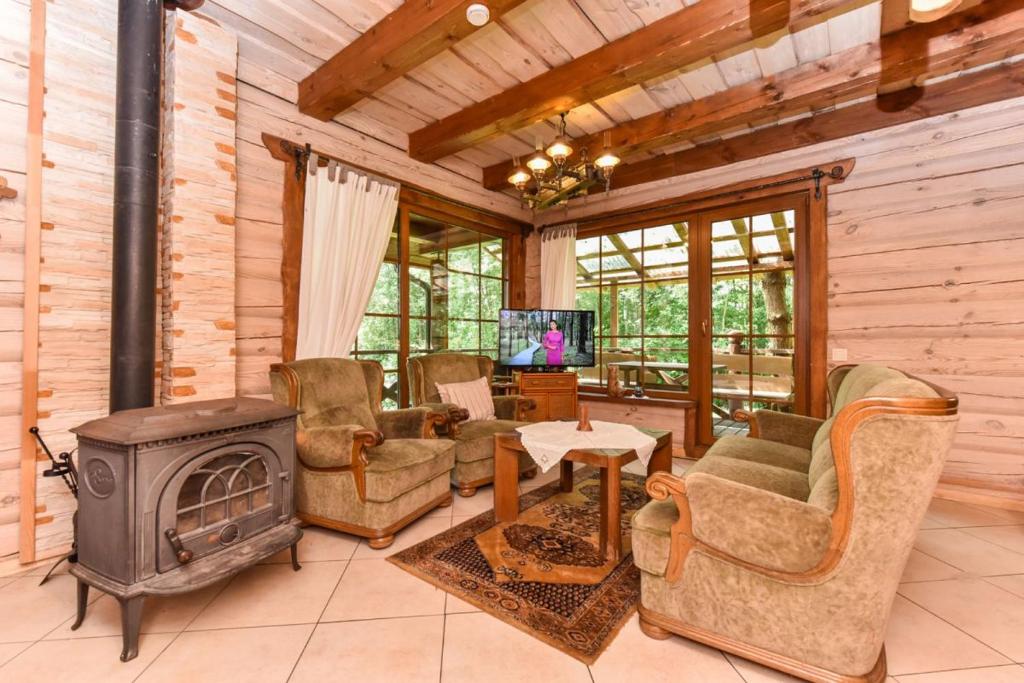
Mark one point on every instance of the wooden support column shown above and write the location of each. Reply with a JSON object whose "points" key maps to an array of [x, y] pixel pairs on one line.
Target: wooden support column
{"points": [[33, 226]]}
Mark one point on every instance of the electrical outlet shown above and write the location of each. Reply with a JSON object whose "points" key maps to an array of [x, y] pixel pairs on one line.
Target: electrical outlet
{"points": [[838, 354]]}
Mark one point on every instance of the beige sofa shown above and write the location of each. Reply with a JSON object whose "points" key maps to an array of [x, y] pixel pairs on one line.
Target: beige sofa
{"points": [[786, 548]]}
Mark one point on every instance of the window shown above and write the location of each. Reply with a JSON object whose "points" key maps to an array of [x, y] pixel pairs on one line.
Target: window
{"points": [[379, 333], [457, 285], [704, 305], [636, 281]]}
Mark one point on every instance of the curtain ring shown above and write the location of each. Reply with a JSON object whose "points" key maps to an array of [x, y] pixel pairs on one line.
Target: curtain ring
{"points": [[332, 170], [314, 163]]}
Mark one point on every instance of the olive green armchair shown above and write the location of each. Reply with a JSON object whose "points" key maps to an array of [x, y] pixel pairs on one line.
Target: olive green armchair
{"points": [[474, 440], [362, 470], [787, 547]]}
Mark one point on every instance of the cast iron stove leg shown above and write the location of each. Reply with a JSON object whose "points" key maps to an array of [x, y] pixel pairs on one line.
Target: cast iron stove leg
{"points": [[295, 557], [83, 602], [131, 622]]}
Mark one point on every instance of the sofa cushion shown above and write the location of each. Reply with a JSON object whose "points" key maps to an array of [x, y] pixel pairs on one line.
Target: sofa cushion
{"points": [[762, 451], [475, 440], [768, 477], [650, 535], [474, 396], [400, 465]]}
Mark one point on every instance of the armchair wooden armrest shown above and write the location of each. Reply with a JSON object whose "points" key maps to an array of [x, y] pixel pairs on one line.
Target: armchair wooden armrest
{"points": [[338, 448]]}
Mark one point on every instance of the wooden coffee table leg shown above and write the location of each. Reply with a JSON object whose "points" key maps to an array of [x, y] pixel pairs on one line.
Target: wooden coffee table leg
{"points": [[661, 459], [565, 475], [506, 482], [611, 509]]}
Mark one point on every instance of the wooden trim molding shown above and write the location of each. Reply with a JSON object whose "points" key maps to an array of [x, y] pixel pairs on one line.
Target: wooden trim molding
{"points": [[663, 486], [33, 259]]}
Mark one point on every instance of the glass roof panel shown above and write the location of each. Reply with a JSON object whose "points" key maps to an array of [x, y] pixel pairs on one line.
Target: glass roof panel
{"points": [[588, 246]]}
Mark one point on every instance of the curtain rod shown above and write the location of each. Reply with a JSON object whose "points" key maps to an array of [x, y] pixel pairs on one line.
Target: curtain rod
{"points": [[816, 174], [300, 153]]}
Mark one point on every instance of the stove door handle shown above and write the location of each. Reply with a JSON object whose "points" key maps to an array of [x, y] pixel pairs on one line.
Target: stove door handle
{"points": [[184, 556]]}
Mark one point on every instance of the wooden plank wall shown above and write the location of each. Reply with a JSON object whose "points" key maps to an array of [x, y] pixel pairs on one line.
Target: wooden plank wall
{"points": [[926, 244], [14, 38]]}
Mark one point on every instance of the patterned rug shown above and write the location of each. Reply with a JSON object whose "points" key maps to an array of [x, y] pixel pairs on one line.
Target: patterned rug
{"points": [[542, 573]]}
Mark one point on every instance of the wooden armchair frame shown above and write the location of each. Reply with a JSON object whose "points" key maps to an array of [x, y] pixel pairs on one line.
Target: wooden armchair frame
{"points": [[662, 486]]}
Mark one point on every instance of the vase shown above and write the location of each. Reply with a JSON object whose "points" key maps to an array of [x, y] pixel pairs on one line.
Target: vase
{"points": [[615, 389], [584, 422]]}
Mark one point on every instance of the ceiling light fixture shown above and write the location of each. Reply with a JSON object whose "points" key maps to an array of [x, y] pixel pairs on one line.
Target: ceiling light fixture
{"points": [[572, 177], [478, 14], [923, 11]]}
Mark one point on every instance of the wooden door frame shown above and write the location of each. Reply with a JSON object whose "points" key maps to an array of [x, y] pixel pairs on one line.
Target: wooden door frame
{"points": [[810, 272]]}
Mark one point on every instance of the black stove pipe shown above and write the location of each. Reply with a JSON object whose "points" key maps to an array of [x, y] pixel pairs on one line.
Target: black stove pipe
{"points": [[136, 196]]}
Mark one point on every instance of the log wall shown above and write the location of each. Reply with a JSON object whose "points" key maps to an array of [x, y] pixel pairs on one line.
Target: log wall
{"points": [[926, 243]]}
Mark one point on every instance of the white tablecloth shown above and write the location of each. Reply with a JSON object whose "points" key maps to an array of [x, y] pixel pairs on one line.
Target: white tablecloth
{"points": [[548, 442]]}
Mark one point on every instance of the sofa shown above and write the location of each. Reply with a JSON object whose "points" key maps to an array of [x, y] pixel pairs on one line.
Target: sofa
{"points": [[786, 547], [474, 440], [362, 470]]}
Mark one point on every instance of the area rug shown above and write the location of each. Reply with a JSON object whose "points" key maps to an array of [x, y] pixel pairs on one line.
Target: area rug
{"points": [[542, 573]]}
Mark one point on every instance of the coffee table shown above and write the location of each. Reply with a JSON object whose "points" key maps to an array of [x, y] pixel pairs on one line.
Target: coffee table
{"points": [[508, 446]]}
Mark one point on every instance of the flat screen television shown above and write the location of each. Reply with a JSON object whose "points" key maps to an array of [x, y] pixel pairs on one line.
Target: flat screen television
{"points": [[545, 338]]}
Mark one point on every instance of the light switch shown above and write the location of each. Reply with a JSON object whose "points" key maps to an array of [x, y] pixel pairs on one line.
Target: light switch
{"points": [[838, 354]]}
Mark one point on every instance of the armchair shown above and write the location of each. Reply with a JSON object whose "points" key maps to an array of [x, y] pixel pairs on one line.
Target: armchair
{"points": [[474, 440], [738, 554], [362, 470]]}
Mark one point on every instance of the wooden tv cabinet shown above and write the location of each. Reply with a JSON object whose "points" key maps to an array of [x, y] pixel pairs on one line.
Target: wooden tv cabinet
{"points": [[554, 393]]}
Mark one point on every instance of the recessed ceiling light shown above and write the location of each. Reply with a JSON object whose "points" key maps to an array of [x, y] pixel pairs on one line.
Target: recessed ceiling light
{"points": [[478, 14]]}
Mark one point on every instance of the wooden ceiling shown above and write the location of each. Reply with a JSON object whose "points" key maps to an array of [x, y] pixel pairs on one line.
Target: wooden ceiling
{"points": [[659, 77]]}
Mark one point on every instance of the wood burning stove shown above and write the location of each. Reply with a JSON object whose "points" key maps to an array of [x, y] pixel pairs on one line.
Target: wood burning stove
{"points": [[177, 497]]}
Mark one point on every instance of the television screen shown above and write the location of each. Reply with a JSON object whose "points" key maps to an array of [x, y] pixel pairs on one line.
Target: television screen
{"points": [[544, 338]]}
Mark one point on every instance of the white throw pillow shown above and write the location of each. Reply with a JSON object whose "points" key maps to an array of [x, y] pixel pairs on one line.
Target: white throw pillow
{"points": [[474, 396]]}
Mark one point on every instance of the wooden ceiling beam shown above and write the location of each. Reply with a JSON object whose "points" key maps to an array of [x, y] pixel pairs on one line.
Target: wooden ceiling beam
{"points": [[401, 41], [684, 37], [972, 90], [980, 35]]}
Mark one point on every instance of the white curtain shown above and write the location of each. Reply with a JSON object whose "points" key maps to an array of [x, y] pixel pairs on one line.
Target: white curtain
{"points": [[349, 216], [558, 267]]}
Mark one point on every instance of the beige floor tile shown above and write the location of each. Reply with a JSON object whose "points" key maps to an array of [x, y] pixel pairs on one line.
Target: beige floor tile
{"points": [[443, 512], [454, 605], [474, 505], [319, 545], [995, 674], [376, 589], [159, 615], [90, 660], [541, 479], [262, 654], [478, 647], [9, 650], [921, 567], [954, 514], [1010, 537], [420, 530], [1014, 583], [918, 641], [30, 611], [929, 522], [272, 595], [380, 650], [987, 612], [632, 651], [755, 673], [969, 553]]}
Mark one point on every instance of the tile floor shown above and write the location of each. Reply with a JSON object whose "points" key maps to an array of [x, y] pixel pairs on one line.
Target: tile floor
{"points": [[350, 615]]}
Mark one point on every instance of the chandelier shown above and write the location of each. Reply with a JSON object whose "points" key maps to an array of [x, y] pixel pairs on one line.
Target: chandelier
{"points": [[551, 176]]}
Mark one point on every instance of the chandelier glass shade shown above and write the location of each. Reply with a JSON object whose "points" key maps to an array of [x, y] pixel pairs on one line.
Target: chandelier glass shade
{"points": [[553, 175]]}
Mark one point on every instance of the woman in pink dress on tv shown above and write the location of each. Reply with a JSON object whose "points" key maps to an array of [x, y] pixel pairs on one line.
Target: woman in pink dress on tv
{"points": [[554, 342]]}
